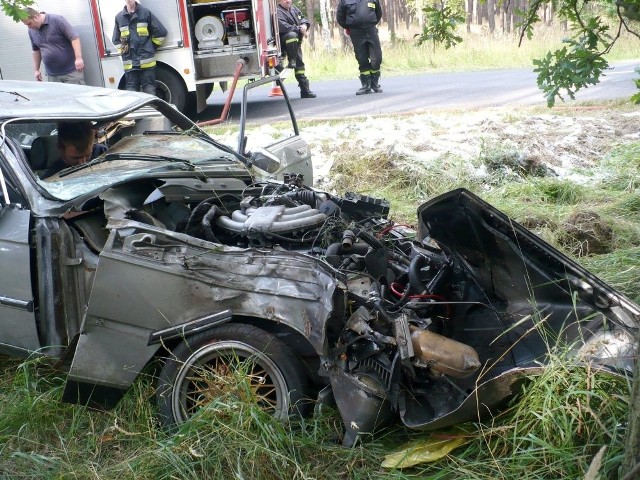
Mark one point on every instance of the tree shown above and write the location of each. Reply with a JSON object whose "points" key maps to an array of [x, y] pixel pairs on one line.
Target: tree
{"points": [[579, 62], [15, 8]]}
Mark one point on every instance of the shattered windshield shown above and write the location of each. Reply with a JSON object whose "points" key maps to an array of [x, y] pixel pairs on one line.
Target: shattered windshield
{"points": [[136, 145]]}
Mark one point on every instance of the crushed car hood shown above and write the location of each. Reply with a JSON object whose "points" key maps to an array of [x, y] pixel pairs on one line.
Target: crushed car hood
{"points": [[535, 299]]}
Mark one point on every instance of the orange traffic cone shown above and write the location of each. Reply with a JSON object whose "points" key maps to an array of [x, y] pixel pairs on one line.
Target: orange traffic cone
{"points": [[276, 91]]}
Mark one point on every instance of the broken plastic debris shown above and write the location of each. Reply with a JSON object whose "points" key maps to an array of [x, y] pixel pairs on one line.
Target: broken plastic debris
{"points": [[425, 450]]}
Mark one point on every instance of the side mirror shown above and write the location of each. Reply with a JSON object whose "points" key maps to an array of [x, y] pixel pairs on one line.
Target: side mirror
{"points": [[264, 160]]}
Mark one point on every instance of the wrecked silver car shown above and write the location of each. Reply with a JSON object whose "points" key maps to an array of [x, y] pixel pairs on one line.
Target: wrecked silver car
{"points": [[171, 247]]}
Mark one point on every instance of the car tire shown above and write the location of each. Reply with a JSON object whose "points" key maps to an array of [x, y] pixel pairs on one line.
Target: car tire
{"points": [[206, 365], [171, 88]]}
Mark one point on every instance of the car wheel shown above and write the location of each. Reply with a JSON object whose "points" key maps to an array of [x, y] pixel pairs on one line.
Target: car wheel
{"points": [[225, 361], [171, 88]]}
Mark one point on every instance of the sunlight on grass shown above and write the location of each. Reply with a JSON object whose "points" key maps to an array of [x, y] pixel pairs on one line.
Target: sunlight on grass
{"points": [[478, 51]]}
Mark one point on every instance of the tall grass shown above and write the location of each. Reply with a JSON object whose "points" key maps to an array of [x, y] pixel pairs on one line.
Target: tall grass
{"points": [[477, 51], [565, 415]]}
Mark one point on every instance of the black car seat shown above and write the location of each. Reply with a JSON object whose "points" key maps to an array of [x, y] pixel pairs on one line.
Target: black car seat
{"points": [[44, 152]]}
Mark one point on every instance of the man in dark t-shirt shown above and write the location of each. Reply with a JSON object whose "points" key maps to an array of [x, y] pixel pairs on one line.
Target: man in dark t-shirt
{"points": [[56, 43]]}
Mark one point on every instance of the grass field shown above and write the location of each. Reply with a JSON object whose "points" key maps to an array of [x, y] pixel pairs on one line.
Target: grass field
{"points": [[477, 51]]}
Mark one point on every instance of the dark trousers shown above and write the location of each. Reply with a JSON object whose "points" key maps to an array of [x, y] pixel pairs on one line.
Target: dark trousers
{"points": [[141, 79], [291, 44], [366, 46]]}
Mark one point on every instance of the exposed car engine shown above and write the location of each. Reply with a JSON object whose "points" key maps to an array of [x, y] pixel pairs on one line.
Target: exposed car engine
{"points": [[405, 298], [422, 325]]}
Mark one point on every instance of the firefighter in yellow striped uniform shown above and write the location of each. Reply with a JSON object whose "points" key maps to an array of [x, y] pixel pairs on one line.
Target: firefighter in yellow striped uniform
{"points": [[137, 34]]}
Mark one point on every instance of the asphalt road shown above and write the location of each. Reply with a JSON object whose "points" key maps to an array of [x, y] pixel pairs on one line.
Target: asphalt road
{"points": [[415, 93]]}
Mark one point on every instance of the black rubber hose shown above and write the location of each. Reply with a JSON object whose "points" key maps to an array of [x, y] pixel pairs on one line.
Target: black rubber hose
{"points": [[417, 263], [368, 238], [304, 196], [206, 224], [355, 249], [200, 209]]}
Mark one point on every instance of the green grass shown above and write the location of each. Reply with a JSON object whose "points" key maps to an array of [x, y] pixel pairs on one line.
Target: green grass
{"points": [[566, 416], [478, 51]]}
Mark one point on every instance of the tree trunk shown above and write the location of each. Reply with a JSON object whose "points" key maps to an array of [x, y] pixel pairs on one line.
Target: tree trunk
{"points": [[391, 20], [491, 15], [420, 13], [310, 17], [469, 14], [509, 16], [324, 20]]}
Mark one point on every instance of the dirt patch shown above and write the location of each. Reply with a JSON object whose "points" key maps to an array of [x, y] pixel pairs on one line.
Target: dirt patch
{"points": [[586, 233]]}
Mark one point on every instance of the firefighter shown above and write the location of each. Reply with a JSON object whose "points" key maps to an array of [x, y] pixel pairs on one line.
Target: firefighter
{"points": [[137, 34], [293, 28], [359, 19]]}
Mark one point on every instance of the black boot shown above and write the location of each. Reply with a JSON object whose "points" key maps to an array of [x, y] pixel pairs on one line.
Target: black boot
{"points": [[375, 86], [305, 92], [366, 85]]}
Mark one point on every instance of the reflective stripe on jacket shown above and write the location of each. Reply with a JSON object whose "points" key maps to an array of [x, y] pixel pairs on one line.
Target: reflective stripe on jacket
{"points": [[136, 36]]}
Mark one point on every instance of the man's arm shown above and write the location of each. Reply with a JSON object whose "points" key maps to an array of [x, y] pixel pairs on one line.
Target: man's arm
{"points": [[305, 24], [77, 51], [158, 31], [37, 60], [285, 23]]}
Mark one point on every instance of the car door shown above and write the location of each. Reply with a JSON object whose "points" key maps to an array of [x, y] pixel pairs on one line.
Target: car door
{"points": [[288, 155], [18, 332]]}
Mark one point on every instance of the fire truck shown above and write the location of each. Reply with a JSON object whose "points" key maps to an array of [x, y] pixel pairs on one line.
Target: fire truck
{"points": [[208, 42]]}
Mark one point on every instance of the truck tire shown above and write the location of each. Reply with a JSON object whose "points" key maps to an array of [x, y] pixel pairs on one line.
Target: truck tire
{"points": [[210, 364], [171, 88]]}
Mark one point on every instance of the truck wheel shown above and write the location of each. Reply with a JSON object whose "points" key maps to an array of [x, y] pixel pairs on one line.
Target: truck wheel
{"points": [[235, 360], [171, 88]]}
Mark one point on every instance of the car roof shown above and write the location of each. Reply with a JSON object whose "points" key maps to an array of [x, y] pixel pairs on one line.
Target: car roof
{"points": [[42, 100]]}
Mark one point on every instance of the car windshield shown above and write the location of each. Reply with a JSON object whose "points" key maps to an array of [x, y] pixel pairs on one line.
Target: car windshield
{"points": [[138, 144]]}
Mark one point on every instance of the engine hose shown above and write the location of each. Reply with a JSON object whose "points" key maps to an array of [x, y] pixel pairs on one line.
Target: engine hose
{"points": [[206, 224], [416, 264], [304, 196], [403, 259], [355, 249], [201, 207], [370, 239], [398, 269], [375, 296]]}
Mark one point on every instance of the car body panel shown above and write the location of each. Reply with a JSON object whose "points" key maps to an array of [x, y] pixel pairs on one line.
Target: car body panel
{"points": [[149, 281], [16, 300]]}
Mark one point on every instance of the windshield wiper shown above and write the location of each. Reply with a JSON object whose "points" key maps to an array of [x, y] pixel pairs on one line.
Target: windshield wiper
{"points": [[147, 158], [126, 156]]}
